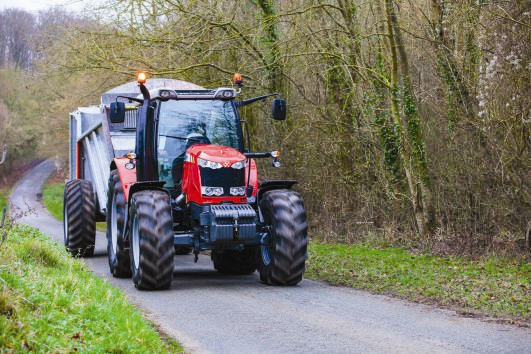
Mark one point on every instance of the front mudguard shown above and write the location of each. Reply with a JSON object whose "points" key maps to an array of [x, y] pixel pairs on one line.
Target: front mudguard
{"points": [[269, 186]]}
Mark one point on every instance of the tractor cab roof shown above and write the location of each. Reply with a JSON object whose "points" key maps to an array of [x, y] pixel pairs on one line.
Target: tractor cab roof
{"points": [[165, 89], [131, 89], [205, 94]]}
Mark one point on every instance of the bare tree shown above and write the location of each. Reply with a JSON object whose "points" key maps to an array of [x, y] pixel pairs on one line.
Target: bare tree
{"points": [[17, 28]]}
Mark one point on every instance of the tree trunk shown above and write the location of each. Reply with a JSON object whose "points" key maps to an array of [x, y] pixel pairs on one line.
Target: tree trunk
{"points": [[458, 95], [274, 68], [413, 151]]}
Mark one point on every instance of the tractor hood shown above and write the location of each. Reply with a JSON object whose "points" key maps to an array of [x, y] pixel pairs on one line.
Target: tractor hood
{"points": [[214, 174], [224, 155]]}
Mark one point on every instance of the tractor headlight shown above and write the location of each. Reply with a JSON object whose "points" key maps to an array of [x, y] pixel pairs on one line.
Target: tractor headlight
{"points": [[237, 190], [212, 191], [208, 164], [239, 165]]}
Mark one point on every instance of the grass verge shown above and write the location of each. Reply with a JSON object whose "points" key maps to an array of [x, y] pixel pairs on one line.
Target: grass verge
{"points": [[50, 302], [52, 196], [494, 286]]}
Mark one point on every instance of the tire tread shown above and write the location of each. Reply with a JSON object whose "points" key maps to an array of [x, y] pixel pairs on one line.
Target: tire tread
{"points": [[284, 211], [155, 225], [80, 212]]}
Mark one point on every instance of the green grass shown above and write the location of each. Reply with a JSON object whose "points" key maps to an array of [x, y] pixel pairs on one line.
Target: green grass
{"points": [[3, 199], [3, 204], [494, 286], [50, 302], [52, 196]]}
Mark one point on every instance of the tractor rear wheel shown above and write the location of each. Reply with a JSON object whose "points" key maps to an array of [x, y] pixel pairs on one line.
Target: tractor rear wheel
{"points": [[151, 229], [79, 211], [235, 261], [119, 261], [283, 255]]}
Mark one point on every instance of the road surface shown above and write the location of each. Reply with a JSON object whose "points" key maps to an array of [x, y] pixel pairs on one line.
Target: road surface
{"points": [[213, 313]]}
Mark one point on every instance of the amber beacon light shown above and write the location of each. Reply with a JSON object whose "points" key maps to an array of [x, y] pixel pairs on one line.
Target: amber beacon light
{"points": [[238, 79], [141, 78]]}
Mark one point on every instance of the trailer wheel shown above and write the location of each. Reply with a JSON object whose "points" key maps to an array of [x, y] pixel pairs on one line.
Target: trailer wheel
{"points": [[151, 251], [119, 261], [283, 255], [236, 262], [79, 213]]}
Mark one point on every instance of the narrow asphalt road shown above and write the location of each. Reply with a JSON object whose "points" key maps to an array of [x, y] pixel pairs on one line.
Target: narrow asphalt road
{"points": [[213, 313]]}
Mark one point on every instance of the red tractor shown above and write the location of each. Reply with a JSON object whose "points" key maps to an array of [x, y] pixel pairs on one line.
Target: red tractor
{"points": [[192, 185]]}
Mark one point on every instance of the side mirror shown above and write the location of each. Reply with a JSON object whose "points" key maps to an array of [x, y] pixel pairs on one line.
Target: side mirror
{"points": [[117, 112], [279, 109]]}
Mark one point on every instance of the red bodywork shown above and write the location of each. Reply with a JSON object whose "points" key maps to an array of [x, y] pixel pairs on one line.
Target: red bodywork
{"points": [[78, 160], [127, 177], [224, 155]]}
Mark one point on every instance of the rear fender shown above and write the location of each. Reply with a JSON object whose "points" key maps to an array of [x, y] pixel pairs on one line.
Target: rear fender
{"points": [[127, 176]]}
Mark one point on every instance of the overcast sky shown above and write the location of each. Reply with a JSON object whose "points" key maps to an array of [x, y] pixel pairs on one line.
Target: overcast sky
{"points": [[34, 6]]}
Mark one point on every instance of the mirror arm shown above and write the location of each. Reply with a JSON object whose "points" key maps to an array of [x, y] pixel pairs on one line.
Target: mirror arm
{"points": [[254, 99], [137, 100]]}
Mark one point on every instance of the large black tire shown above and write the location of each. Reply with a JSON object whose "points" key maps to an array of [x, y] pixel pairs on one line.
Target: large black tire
{"points": [[282, 260], [79, 212], [117, 248], [151, 229], [236, 262]]}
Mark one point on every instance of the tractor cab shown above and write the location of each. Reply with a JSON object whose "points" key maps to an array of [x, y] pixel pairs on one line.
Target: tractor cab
{"points": [[187, 122], [171, 121]]}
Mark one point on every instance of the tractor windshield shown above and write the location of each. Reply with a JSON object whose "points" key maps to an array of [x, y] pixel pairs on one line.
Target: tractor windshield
{"points": [[185, 122]]}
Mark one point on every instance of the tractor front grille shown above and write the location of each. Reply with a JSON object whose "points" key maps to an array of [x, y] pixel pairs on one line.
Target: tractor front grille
{"points": [[222, 177]]}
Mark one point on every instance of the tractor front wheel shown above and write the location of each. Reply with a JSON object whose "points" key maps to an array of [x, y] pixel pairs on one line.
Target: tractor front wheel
{"points": [[119, 261], [235, 261], [283, 254], [151, 229], [79, 213]]}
